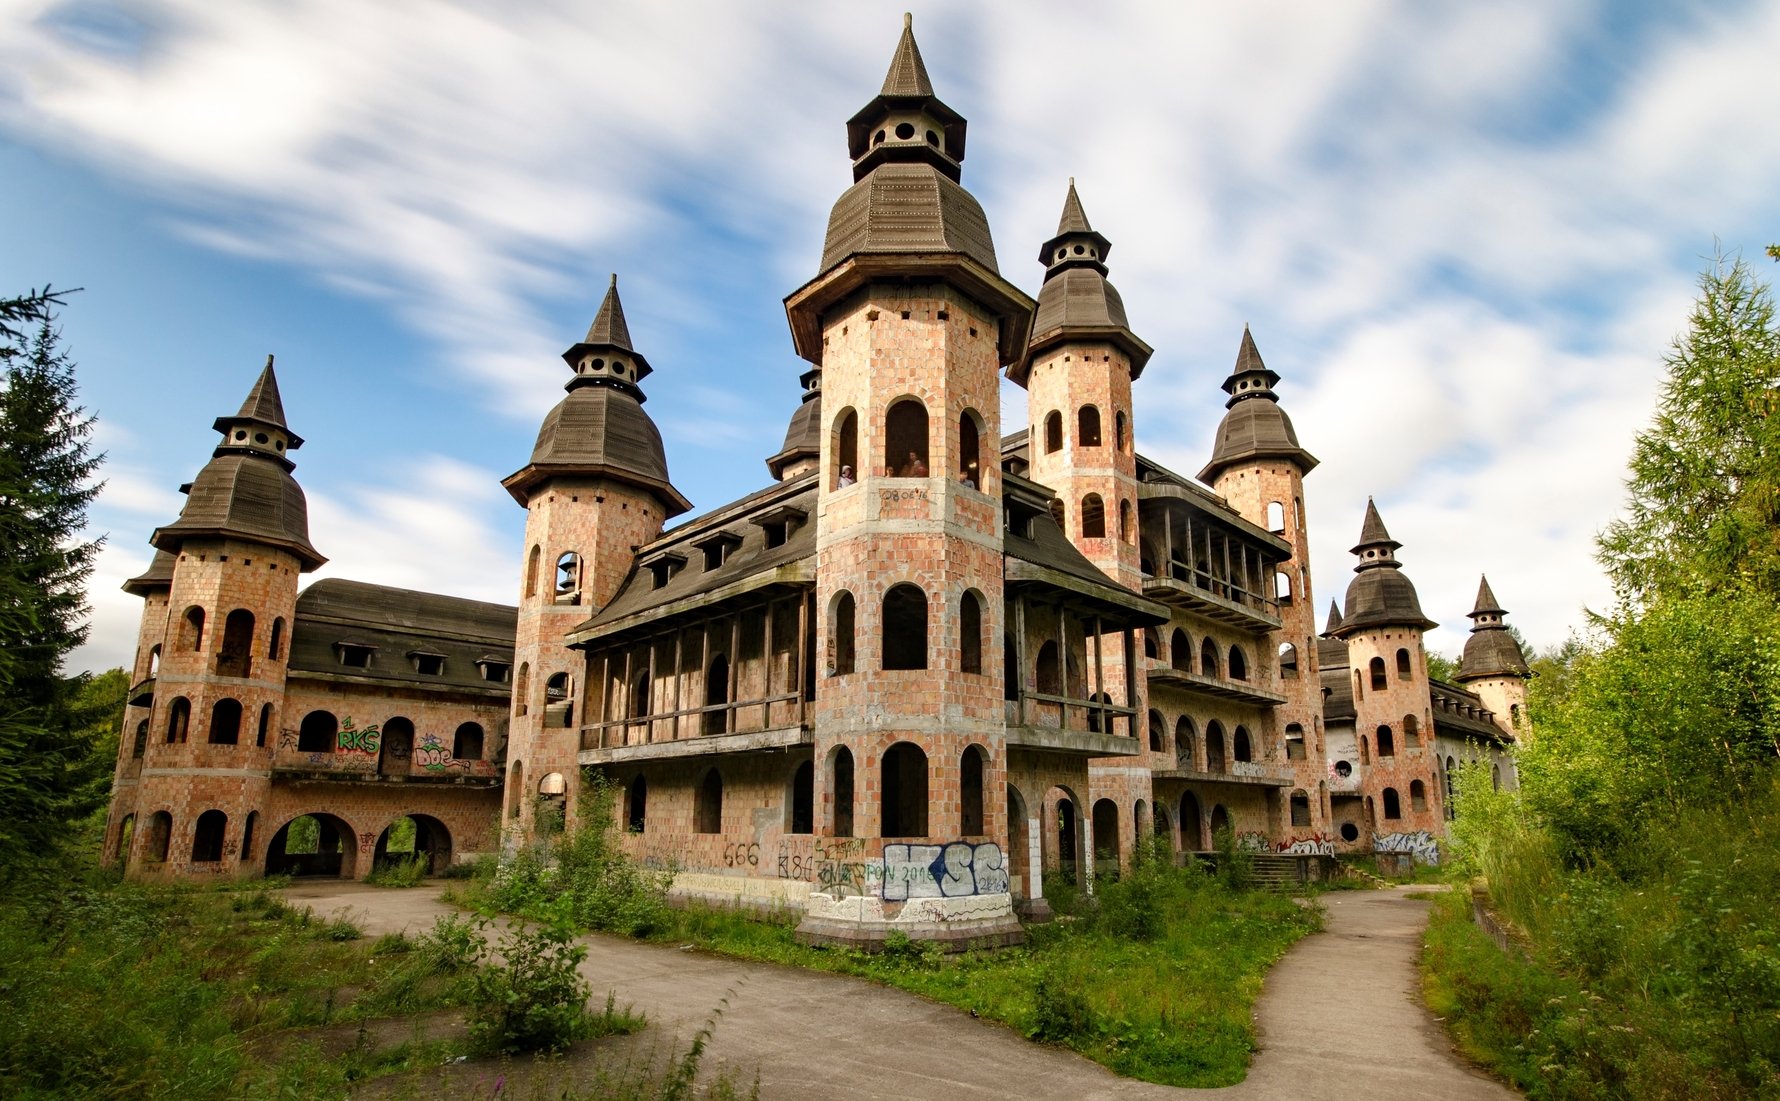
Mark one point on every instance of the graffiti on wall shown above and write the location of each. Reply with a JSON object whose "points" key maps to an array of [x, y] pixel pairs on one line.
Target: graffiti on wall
{"points": [[1311, 845], [837, 864], [352, 740], [1419, 843], [1250, 768], [942, 871], [434, 756]]}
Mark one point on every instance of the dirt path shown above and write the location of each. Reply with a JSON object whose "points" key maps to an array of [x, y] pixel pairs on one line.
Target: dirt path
{"points": [[1340, 1018]]}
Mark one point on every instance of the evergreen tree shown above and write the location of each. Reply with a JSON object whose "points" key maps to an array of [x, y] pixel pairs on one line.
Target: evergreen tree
{"points": [[1703, 507], [49, 775]]}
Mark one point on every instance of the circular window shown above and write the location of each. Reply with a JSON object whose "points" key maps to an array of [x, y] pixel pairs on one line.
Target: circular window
{"points": [[1094, 252], [617, 368], [904, 131], [260, 437], [1343, 769], [279, 445], [878, 138], [1079, 250], [1061, 253], [599, 364], [932, 138], [1349, 832], [240, 433]]}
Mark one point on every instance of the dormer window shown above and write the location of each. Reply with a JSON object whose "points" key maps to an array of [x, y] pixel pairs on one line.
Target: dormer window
{"points": [[494, 670], [663, 567], [778, 524], [427, 663], [717, 548], [355, 655]]}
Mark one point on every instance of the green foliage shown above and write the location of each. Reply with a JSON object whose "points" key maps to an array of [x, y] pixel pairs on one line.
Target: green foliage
{"points": [[453, 943], [1441, 667], [1704, 492], [530, 996], [49, 773], [1235, 864], [399, 871]]}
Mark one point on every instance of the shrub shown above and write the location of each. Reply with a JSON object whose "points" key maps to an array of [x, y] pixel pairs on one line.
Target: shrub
{"points": [[453, 944], [1060, 1014], [398, 871], [533, 998]]}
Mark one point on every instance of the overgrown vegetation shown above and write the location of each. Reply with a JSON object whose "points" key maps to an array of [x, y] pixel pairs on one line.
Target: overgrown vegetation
{"points": [[529, 994], [1641, 856]]}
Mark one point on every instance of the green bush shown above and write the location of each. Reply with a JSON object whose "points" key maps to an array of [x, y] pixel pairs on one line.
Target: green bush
{"points": [[1060, 1014], [532, 996], [399, 871]]}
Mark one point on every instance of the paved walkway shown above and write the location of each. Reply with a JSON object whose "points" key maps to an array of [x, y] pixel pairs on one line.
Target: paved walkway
{"points": [[1340, 1017]]}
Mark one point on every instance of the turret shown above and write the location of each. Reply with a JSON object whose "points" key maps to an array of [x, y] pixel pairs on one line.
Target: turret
{"points": [[1493, 665], [596, 488]]}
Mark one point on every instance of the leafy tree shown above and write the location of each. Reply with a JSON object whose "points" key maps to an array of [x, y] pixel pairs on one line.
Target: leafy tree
{"points": [[1441, 667], [1704, 492], [49, 775]]}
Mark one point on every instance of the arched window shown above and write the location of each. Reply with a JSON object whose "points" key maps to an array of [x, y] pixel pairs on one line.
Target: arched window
{"points": [[1093, 517], [558, 689], [1087, 427], [568, 578], [1048, 670], [191, 632], [225, 722], [318, 732], [1387, 742], [522, 689], [1119, 430], [707, 812], [716, 721], [840, 771], [905, 628], [207, 837], [1125, 531], [1241, 749], [1359, 681], [1184, 739], [466, 744], [845, 469], [1282, 586], [841, 636], [1180, 651], [275, 642], [905, 439], [1376, 665], [1276, 517], [1057, 515], [552, 810], [1214, 747], [1300, 803], [1288, 661], [802, 803], [179, 719], [1053, 432], [1208, 658], [515, 789], [159, 838], [1365, 750], [1393, 804], [970, 632], [1412, 733], [636, 805], [1496, 777], [395, 749], [971, 769], [1238, 664], [1418, 796], [532, 564], [1403, 664], [1151, 648], [903, 788], [1450, 765], [970, 470], [235, 658], [154, 660], [253, 816], [141, 745], [1294, 742], [1158, 731]]}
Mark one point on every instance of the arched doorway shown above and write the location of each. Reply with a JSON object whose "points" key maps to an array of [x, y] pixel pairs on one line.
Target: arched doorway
{"points": [[313, 844], [1220, 822], [1065, 834], [397, 749], [1192, 826], [1106, 838], [414, 837], [1019, 846]]}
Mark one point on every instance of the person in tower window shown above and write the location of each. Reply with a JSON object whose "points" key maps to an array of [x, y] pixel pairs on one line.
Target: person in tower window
{"points": [[846, 477], [914, 468]]}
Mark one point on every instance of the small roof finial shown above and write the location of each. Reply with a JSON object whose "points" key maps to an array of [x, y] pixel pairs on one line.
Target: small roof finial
{"points": [[614, 281], [1072, 181], [268, 359], [908, 20]]}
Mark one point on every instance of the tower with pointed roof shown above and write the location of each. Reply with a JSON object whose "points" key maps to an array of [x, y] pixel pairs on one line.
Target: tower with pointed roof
{"points": [[219, 600], [595, 489], [910, 322], [1382, 624], [1258, 466], [1492, 665], [1077, 372]]}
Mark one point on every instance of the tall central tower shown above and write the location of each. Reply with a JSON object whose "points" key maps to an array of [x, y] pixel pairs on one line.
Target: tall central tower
{"points": [[910, 323]]}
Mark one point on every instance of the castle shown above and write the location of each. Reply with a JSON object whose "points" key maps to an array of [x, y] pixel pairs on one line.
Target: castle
{"points": [[928, 661]]}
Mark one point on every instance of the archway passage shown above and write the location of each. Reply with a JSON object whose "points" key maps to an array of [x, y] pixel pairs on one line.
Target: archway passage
{"points": [[313, 844], [1192, 825], [1106, 838], [414, 837]]}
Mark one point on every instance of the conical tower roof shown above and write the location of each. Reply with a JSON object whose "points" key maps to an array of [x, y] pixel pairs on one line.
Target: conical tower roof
{"points": [[1077, 302], [1379, 595], [1491, 651], [908, 73], [246, 490], [1255, 427], [803, 436], [1334, 623], [608, 335]]}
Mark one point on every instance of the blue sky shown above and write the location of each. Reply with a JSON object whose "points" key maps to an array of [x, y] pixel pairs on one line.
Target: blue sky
{"points": [[1463, 234]]}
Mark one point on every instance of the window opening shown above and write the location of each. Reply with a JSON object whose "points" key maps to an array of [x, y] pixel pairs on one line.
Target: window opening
{"points": [[1238, 664], [707, 813], [179, 719], [275, 643], [1288, 661], [970, 792], [1393, 805], [1087, 427], [192, 634], [904, 791], [803, 798], [1053, 432], [843, 792], [636, 805], [1387, 743], [970, 633], [1300, 809], [905, 440], [716, 717], [1093, 517], [207, 837], [1294, 742], [1241, 750], [846, 449], [317, 732], [568, 578], [905, 628], [1376, 665], [466, 744], [225, 722], [1403, 664], [1418, 796], [969, 450], [1208, 658]]}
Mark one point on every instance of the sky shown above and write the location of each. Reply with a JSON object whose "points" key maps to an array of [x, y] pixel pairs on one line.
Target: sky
{"points": [[1464, 235]]}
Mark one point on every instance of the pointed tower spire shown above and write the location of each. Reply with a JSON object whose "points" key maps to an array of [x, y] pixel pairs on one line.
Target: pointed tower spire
{"points": [[263, 408], [608, 326], [1373, 534], [1486, 601], [605, 357], [1334, 623], [1380, 595], [1076, 301], [908, 73], [1255, 426], [1075, 219], [1491, 651]]}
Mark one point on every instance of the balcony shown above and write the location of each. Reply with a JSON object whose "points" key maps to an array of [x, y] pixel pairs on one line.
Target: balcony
{"points": [[1067, 724], [1246, 773], [1214, 687], [775, 739], [1215, 600]]}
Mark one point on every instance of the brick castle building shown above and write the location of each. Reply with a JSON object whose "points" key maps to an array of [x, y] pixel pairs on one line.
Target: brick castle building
{"points": [[935, 656]]}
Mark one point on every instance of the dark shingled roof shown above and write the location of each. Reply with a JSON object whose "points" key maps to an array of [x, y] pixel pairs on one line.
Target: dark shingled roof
{"points": [[1255, 427], [803, 436], [264, 406], [396, 622], [1487, 604], [908, 73], [1379, 595], [1076, 301], [1449, 703], [1338, 687], [245, 496], [600, 431], [1491, 651], [159, 575], [907, 208], [1372, 532]]}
